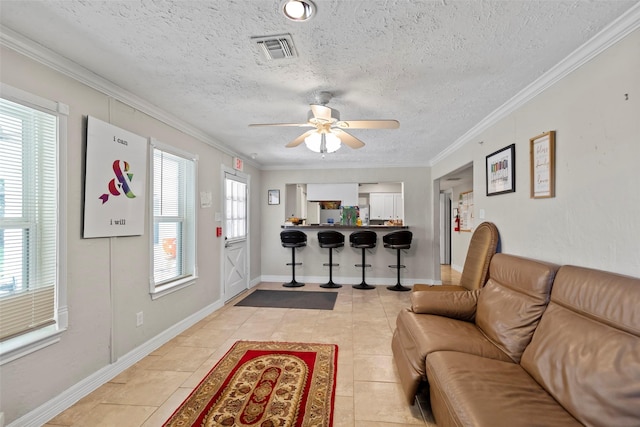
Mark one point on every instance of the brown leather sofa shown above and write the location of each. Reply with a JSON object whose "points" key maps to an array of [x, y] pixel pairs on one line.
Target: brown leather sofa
{"points": [[539, 345]]}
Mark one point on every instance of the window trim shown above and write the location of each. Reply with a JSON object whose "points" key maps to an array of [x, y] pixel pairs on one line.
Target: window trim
{"points": [[158, 291], [17, 347]]}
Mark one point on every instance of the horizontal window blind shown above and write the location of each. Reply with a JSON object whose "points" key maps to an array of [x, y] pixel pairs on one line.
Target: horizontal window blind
{"points": [[173, 216], [28, 223], [26, 311]]}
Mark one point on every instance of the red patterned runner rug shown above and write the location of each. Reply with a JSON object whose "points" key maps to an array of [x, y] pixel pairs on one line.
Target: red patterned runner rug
{"points": [[265, 384]]}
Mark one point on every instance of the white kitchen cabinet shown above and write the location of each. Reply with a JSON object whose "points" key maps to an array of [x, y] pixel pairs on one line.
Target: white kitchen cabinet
{"points": [[386, 206], [398, 206]]}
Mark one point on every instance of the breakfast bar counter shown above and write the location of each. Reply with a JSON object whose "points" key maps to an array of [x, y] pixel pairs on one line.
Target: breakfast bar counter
{"points": [[347, 227], [347, 260]]}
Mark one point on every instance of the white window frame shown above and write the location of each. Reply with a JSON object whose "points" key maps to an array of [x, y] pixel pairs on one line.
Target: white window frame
{"points": [[190, 248], [30, 342]]}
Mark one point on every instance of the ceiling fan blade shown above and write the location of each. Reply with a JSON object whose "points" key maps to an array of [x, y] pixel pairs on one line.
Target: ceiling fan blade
{"points": [[302, 125], [368, 124], [348, 139], [299, 140], [321, 112]]}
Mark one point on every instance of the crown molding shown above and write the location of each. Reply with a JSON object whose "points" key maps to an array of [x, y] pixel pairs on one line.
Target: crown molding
{"points": [[607, 37], [51, 59]]}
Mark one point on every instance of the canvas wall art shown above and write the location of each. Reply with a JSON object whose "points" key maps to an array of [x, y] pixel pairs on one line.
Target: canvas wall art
{"points": [[116, 170]]}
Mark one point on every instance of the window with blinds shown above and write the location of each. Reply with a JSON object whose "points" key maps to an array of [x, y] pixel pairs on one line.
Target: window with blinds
{"points": [[28, 218], [173, 183]]}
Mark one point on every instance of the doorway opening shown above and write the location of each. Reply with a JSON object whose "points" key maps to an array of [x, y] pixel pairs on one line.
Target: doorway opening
{"points": [[451, 188]]}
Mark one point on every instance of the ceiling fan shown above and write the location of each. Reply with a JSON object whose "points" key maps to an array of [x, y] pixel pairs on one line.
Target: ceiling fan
{"points": [[329, 130]]}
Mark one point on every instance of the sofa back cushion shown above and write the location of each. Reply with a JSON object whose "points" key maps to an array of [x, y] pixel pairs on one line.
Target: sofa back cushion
{"points": [[482, 247], [586, 350], [512, 301]]}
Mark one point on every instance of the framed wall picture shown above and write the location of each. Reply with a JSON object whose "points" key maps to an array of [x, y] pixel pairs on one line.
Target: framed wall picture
{"points": [[501, 171], [273, 197], [542, 155]]}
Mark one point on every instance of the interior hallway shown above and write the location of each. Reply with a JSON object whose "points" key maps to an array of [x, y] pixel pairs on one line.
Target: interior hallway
{"points": [[362, 323]]}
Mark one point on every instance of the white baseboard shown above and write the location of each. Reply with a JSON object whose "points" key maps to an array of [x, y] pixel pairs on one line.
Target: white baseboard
{"points": [[53, 407], [457, 268], [253, 283]]}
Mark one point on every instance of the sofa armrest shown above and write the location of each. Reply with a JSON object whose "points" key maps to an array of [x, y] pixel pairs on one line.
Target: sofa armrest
{"points": [[453, 304]]}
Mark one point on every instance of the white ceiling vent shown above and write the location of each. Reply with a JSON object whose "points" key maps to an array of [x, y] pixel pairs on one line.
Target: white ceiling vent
{"points": [[275, 47]]}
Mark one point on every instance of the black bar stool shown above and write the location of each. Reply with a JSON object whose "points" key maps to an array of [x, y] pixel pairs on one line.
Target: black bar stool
{"points": [[398, 240], [293, 239], [363, 240], [330, 239]]}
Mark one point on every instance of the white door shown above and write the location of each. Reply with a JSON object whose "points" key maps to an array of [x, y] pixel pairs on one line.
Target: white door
{"points": [[235, 229]]}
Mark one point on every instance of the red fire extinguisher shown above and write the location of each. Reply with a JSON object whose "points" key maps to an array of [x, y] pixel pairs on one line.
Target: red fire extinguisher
{"points": [[456, 221]]}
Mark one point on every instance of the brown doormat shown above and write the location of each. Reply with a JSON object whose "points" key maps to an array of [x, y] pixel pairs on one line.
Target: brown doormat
{"points": [[265, 384], [290, 299]]}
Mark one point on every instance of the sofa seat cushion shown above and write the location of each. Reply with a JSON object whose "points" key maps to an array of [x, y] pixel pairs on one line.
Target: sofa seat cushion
{"points": [[422, 334], [469, 390], [438, 288]]}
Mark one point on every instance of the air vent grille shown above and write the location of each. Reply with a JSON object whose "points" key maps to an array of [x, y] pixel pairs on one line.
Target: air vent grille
{"points": [[275, 47]]}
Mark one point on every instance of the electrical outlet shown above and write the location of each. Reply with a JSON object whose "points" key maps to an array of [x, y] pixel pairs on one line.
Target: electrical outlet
{"points": [[139, 319]]}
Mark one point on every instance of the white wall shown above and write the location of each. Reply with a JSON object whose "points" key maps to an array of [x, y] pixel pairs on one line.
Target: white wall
{"points": [[593, 220], [417, 200], [108, 279], [460, 239]]}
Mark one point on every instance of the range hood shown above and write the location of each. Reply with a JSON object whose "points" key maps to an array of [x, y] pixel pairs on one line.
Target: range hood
{"points": [[347, 193]]}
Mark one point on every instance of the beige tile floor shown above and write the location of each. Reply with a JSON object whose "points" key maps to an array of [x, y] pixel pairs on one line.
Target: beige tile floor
{"points": [[367, 393]]}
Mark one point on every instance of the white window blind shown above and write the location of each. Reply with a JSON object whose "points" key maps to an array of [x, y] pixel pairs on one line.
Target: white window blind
{"points": [[173, 217], [28, 218]]}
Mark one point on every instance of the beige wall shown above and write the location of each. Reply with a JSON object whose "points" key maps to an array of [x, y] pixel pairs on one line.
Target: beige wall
{"points": [[108, 278], [593, 220]]}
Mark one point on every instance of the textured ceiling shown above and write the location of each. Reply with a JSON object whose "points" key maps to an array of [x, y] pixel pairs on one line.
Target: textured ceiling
{"points": [[439, 67]]}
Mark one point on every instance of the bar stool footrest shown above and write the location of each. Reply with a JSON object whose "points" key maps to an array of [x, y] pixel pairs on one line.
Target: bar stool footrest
{"points": [[326, 264], [291, 263], [397, 266], [362, 265]]}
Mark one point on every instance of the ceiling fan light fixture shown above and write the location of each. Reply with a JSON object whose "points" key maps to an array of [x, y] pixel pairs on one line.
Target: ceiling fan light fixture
{"points": [[298, 10], [323, 142]]}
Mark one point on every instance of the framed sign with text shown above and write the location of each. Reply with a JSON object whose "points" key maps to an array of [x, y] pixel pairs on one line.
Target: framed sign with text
{"points": [[542, 154], [273, 197]]}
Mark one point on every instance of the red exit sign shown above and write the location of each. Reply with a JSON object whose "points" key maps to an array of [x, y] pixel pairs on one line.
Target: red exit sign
{"points": [[238, 164]]}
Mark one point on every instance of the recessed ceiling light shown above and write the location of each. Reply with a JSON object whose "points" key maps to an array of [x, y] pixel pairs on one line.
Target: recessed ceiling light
{"points": [[298, 10]]}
